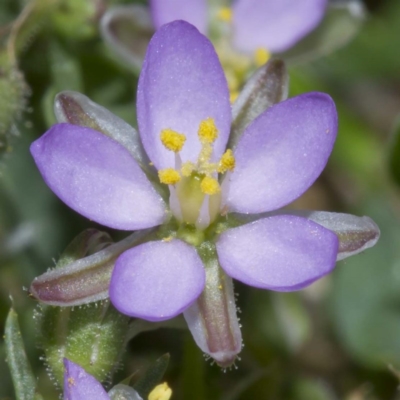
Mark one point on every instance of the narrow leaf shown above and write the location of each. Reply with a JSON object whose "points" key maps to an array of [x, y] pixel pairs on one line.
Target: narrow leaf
{"points": [[152, 377], [22, 376]]}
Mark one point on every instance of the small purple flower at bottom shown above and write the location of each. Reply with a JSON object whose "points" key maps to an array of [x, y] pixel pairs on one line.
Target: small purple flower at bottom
{"points": [[80, 385], [221, 221], [266, 24]]}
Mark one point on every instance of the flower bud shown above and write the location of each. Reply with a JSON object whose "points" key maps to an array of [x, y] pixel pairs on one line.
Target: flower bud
{"points": [[92, 335]]}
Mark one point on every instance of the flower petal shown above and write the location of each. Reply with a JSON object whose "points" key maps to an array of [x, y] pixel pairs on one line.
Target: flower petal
{"points": [[355, 234], [156, 281], [78, 384], [77, 109], [193, 11], [97, 177], [274, 25], [84, 280], [282, 152], [281, 253], [181, 84]]}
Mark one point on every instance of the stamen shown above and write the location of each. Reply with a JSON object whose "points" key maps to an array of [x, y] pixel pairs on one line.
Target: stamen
{"points": [[210, 185], [261, 56], [227, 162], [172, 140], [225, 186], [169, 176], [208, 132], [161, 392], [225, 14], [174, 203]]}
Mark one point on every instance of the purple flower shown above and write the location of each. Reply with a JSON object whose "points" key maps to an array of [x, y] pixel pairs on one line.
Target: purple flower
{"points": [[205, 239], [244, 35], [266, 24], [80, 385]]}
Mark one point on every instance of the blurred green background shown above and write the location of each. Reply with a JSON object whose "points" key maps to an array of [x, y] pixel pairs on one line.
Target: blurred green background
{"points": [[339, 338]]}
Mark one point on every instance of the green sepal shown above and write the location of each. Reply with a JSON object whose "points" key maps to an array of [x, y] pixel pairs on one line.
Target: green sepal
{"points": [[83, 280], [152, 376], [88, 242], [266, 87], [212, 318], [127, 30], [22, 376]]}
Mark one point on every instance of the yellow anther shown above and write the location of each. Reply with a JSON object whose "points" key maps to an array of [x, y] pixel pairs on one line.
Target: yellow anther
{"points": [[187, 168], [210, 186], [172, 140], [227, 162], [261, 56], [169, 176], [161, 392], [208, 132], [225, 14]]}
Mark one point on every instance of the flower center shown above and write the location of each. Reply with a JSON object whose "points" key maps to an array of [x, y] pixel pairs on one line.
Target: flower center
{"points": [[237, 65], [195, 193]]}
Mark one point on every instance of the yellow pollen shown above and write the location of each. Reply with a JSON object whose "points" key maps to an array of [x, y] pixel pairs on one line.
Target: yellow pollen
{"points": [[227, 162], [71, 381], [225, 14], [261, 56], [208, 132], [169, 176], [172, 140], [209, 186], [161, 392], [187, 168]]}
